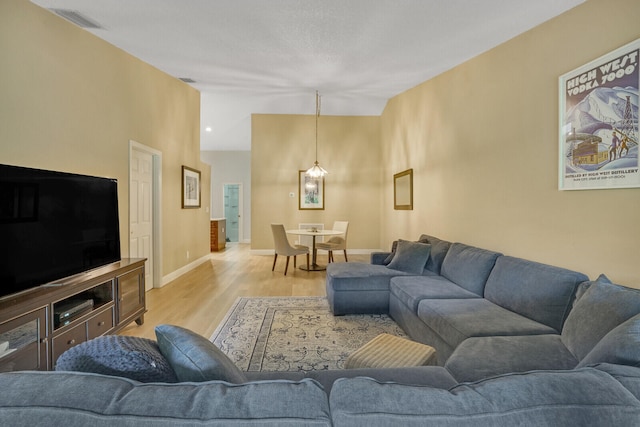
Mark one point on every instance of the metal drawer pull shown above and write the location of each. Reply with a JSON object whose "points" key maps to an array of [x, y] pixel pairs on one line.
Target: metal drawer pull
{"points": [[100, 323], [71, 342]]}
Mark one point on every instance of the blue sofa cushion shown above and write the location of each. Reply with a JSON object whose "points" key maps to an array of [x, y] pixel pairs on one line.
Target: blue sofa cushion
{"points": [[455, 320], [628, 376], [136, 358], [194, 358], [620, 346], [439, 249], [585, 397], [468, 266], [538, 291], [483, 357], [410, 257], [81, 399], [600, 309], [412, 290], [358, 276]]}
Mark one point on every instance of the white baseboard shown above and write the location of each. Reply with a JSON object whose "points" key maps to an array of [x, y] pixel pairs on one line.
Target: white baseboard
{"points": [[182, 270]]}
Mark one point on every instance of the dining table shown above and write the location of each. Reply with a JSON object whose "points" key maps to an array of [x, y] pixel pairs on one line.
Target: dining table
{"points": [[314, 266]]}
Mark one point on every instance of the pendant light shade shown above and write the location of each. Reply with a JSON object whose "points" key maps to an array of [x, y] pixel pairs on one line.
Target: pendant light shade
{"points": [[316, 171]]}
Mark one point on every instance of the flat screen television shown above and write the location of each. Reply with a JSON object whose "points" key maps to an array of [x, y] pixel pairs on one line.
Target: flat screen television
{"points": [[54, 225]]}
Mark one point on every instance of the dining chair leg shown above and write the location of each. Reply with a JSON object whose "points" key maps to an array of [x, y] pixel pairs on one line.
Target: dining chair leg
{"points": [[287, 265], [295, 257], [345, 256], [274, 262], [308, 269]]}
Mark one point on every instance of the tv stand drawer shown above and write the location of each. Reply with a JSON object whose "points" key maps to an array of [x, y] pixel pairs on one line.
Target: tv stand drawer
{"points": [[68, 339], [101, 323]]}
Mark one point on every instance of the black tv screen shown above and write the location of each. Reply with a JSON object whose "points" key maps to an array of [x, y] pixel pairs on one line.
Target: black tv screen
{"points": [[54, 225]]}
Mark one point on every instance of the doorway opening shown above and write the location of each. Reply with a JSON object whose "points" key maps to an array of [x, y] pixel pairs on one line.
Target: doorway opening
{"points": [[232, 202]]}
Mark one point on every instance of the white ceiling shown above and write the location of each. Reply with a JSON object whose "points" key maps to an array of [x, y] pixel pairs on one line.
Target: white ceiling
{"points": [[270, 56]]}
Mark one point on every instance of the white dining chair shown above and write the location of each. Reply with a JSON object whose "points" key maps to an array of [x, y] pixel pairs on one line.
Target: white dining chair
{"points": [[336, 243], [283, 247]]}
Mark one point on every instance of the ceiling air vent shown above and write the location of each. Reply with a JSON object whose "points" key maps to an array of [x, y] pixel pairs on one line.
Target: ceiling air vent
{"points": [[77, 18], [187, 79]]}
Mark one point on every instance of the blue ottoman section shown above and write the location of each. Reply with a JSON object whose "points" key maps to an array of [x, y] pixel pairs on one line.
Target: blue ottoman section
{"points": [[359, 288], [136, 358]]}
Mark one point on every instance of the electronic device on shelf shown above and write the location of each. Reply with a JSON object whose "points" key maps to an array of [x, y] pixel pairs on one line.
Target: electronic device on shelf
{"points": [[65, 312], [54, 225]]}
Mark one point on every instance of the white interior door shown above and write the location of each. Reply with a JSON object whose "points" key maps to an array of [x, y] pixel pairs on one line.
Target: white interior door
{"points": [[141, 211]]}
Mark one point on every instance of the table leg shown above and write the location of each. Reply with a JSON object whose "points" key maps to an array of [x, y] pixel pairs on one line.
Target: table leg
{"points": [[313, 248], [314, 266]]}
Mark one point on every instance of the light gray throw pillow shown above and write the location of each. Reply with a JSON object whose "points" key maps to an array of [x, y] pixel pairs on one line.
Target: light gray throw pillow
{"points": [[194, 358], [602, 307], [410, 257], [621, 346]]}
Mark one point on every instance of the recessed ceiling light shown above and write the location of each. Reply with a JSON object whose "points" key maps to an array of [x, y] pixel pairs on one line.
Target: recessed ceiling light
{"points": [[208, 129]]}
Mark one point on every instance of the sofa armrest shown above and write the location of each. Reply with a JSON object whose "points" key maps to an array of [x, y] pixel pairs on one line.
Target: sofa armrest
{"points": [[379, 257]]}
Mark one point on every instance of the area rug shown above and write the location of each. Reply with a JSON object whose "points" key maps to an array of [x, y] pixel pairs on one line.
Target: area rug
{"points": [[295, 334]]}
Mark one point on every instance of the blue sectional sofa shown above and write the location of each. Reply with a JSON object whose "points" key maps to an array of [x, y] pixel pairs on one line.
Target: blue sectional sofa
{"points": [[184, 380], [489, 314], [519, 343]]}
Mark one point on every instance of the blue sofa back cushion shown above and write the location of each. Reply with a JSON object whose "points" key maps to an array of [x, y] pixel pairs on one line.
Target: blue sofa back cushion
{"points": [[620, 346], [600, 309], [468, 266], [136, 358], [194, 358], [552, 398], [81, 399], [538, 291], [410, 257]]}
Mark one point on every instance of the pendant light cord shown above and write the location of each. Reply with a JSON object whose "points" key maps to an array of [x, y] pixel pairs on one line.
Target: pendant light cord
{"points": [[317, 116]]}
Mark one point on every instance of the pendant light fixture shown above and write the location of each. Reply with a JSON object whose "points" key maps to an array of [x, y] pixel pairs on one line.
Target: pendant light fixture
{"points": [[316, 171]]}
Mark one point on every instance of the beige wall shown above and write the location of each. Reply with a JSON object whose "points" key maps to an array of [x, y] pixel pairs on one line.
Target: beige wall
{"points": [[348, 147], [69, 101], [483, 142]]}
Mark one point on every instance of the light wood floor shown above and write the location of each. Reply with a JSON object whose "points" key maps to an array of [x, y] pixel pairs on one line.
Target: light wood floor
{"points": [[200, 299]]}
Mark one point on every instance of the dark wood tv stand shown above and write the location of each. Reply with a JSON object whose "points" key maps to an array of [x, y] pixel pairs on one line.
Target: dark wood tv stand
{"points": [[38, 325]]}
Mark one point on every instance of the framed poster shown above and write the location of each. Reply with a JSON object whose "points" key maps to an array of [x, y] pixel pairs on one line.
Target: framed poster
{"points": [[190, 188], [310, 192], [403, 190], [599, 122]]}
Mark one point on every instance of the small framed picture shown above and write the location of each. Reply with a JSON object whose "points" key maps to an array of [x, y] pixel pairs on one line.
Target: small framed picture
{"points": [[310, 192], [403, 190], [190, 188]]}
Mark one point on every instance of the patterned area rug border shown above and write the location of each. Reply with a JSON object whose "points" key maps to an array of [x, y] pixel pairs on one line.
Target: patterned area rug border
{"points": [[294, 334]]}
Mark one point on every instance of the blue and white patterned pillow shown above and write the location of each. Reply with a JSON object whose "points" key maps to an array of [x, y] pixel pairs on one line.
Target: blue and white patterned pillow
{"points": [[135, 358]]}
